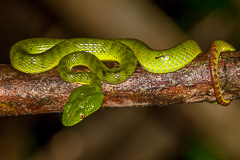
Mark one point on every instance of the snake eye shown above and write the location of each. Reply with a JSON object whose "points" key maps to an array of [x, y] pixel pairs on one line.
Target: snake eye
{"points": [[82, 116]]}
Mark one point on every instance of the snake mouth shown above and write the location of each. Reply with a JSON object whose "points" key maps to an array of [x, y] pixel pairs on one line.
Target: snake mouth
{"points": [[69, 123]]}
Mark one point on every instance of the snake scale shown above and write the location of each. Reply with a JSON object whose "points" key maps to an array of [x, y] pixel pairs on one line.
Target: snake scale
{"points": [[38, 55]]}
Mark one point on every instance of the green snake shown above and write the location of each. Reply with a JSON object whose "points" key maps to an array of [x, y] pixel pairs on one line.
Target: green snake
{"points": [[42, 54]]}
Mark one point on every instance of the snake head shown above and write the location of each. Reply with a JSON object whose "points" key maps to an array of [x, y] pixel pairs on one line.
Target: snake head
{"points": [[82, 102], [73, 114]]}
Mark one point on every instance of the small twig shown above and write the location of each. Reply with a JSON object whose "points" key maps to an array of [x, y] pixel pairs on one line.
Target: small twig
{"points": [[47, 92]]}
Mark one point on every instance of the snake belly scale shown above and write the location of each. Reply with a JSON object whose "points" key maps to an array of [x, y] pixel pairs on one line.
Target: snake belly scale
{"points": [[41, 54]]}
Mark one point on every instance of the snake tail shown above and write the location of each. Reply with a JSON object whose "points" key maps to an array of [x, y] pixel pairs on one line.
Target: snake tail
{"points": [[216, 48]]}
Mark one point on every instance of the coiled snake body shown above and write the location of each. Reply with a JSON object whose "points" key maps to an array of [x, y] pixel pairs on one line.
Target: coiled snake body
{"points": [[41, 54]]}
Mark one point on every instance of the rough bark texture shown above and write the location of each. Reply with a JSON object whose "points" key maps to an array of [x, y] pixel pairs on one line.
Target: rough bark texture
{"points": [[47, 92]]}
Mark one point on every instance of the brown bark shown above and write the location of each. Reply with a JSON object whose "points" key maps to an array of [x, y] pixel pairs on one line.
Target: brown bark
{"points": [[47, 92]]}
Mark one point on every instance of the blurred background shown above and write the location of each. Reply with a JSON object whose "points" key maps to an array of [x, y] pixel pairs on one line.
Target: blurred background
{"points": [[189, 131]]}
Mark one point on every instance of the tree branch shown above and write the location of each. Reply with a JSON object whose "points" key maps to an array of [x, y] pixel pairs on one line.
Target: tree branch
{"points": [[47, 92]]}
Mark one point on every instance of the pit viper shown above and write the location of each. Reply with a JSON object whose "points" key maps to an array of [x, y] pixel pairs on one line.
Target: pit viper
{"points": [[38, 55]]}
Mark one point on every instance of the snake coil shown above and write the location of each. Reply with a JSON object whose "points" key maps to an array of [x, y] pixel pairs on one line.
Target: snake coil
{"points": [[41, 54]]}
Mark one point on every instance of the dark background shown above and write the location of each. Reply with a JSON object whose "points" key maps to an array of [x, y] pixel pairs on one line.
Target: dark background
{"points": [[193, 131]]}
